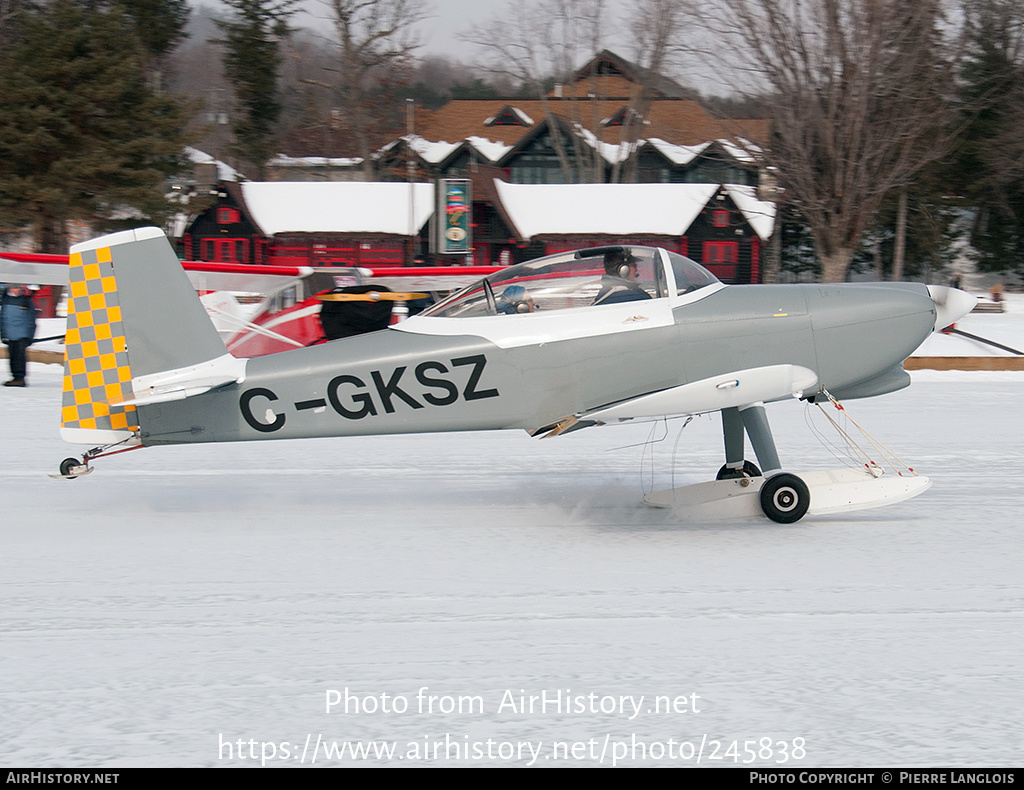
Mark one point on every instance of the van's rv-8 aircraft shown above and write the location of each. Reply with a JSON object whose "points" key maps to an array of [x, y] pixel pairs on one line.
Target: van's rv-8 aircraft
{"points": [[568, 341]]}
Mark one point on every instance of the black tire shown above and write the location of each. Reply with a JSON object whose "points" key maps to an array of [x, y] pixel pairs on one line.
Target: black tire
{"points": [[785, 498], [68, 465], [749, 470]]}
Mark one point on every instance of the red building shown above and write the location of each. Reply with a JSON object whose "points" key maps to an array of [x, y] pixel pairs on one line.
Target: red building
{"points": [[368, 223], [311, 223]]}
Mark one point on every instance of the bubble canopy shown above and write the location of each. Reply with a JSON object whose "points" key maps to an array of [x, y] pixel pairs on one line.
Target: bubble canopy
{"points": [[585, 278]]}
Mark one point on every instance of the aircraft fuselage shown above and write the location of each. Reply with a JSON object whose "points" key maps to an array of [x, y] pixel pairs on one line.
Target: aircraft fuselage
{"points": [[410, 380]]}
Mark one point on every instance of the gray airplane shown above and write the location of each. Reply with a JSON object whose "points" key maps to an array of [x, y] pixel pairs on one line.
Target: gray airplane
{"points": [[550, 346]]}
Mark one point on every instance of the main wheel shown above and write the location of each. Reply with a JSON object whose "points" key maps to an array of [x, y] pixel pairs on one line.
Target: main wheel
{"points": [[749, 470], [785, 498], [68, 465]]}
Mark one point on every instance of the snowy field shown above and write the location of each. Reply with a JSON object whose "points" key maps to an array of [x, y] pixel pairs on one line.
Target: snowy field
{"points": [[197, 606]]}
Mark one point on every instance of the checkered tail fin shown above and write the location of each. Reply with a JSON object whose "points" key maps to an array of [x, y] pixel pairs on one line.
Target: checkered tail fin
{"points": [[133, 316]]}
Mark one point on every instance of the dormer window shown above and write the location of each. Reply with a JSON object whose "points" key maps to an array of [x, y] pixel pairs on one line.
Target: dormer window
{"points": [[607, 68], [509, 116], [623, 116]]}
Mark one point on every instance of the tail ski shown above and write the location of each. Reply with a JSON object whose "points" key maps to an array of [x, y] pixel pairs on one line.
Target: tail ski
{"points": [[136, 334]]}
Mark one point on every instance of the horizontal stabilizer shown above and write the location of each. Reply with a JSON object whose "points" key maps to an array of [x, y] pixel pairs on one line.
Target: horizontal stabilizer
{"points": [[32, 273], [171, 385]]}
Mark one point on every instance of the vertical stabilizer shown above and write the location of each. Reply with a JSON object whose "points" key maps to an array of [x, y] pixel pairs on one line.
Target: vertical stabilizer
{"points": [[132, 313]]}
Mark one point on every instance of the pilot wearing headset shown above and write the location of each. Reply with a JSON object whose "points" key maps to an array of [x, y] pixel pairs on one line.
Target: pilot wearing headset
{"points": [[620, 280]]}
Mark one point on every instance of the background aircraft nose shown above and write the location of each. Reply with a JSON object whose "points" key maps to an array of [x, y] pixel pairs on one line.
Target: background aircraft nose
{"points": [[951, 304]]}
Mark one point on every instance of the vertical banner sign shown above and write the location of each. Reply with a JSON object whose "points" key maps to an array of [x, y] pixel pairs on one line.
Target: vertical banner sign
{"points": [[454, 234]]}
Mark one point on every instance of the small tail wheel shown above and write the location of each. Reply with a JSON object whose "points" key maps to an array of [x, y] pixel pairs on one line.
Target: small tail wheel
{"points": [[749, 470], [68, 467], [785, 498]]}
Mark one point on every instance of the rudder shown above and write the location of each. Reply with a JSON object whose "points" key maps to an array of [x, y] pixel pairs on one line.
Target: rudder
{"points": [[132, 317]]}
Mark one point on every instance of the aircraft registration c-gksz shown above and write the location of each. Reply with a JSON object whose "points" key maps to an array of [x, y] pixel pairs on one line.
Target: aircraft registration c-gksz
{"points": [[550, 346]]}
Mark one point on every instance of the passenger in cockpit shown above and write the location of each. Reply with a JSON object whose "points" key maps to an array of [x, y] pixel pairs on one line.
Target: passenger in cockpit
{"points": [[620, 280], [515, 299]]}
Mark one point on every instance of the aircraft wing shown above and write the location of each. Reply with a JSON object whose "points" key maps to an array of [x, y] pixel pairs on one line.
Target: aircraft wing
{"points": [[427, 278], [26, 269], [239, 277], [39, 269], [729, 390]]}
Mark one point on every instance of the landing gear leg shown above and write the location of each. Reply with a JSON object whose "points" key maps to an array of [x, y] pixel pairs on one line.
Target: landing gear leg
{"points": [[735, 465], [70, 468], [784, 498], [755, 421]]}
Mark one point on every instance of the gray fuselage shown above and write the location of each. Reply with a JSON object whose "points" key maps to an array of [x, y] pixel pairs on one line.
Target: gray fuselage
{"points": [[401, 381]]}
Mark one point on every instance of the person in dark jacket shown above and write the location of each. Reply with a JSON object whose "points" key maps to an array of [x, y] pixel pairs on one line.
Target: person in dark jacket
{"points": [[620, 280], [17, 329]]}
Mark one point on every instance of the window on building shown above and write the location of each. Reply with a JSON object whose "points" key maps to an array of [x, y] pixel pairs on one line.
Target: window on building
{"points": [[722, 258], [228, 216], [721, 252], [225, 250], [720, 218]]}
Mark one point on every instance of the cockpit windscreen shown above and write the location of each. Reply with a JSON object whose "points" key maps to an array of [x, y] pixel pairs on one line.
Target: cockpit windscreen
{"points": [[585, 278]]}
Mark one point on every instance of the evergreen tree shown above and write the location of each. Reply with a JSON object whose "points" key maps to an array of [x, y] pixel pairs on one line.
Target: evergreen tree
{"points": [[989, 170], [252, 59], [160, 23], [82, 135]]}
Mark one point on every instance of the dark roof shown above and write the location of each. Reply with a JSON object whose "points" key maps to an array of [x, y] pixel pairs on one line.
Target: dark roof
{"points": [[607, 64]]}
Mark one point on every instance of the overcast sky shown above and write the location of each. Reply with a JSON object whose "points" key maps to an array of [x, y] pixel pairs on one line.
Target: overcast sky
{"points": [[449, 18], [440, 32]]}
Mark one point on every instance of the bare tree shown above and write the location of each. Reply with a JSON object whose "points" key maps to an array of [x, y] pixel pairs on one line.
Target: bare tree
{"points": [[657, 27], [539, 44], [373, 37], [859, 107]]}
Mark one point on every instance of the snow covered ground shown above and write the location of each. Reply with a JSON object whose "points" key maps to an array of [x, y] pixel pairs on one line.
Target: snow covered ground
{"points": [[1005, 328], [197, 606]]}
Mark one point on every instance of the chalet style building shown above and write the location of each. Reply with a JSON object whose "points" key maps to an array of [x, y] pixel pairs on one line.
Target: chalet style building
{"points": [[352, 223], [388, 223], [615, 122], [617, 155]]}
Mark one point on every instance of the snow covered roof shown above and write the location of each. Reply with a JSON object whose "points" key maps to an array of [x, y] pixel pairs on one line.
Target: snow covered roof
{"points": [[678, 154], [759, 213], [337, 206], [616, 209], [610, 152], [493, 151], [684, 154], [436, 152], [508, 112], [535, 209], [427, 150], [679, 121], [622, 209], [224, 172], [283, 160]]}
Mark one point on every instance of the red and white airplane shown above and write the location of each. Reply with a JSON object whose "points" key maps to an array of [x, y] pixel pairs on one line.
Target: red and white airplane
{"points": [[289, 300]]}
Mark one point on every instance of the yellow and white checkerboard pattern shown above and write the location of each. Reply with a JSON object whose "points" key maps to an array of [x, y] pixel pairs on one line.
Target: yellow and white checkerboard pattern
{"points": [[97, 376]]}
